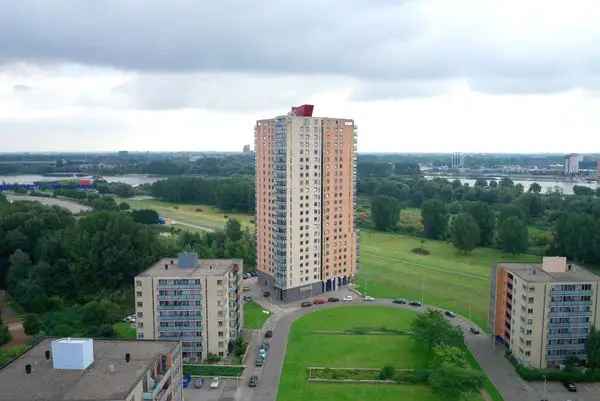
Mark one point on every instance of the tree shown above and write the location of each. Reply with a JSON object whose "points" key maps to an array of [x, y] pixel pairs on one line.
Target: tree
{"points": [[435, 218], [5, 336], [448, 354], [455, 382], [464, 232], [385, 212], [592, 348], [432, 329], [535, 188], [145, 216], [486, 220], [233, 230], [124, 206], [32, 324], [513, 236]]}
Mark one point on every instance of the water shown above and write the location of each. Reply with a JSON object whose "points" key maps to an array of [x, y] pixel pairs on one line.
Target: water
{"points": [[131, 179], [565, 186]]}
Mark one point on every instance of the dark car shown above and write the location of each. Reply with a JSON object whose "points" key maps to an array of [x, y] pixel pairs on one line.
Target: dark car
{"points": [[266, 294], [474, 330], [259, 362], [399, 301], [253, 381], [269, 333], [450, 314], [570, 386], [306, 304], [333, 299], [265, 345], [415, 303]]}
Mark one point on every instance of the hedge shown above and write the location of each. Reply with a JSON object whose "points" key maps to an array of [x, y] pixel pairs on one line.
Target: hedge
{"points": [[213, 370], [533, 374]]}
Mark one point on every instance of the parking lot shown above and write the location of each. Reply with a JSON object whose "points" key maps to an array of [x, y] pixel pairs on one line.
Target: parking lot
{"points": [[557, 392], [225, 392]]}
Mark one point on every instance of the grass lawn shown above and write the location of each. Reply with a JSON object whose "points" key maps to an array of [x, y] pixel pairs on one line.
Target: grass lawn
{"points": [[124, 330], [307, 348], [204, 217], [254, 318], [447, 278]]}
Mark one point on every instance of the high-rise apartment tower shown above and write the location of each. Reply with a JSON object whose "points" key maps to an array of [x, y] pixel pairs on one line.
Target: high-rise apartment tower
{"points": [[305, 202]]}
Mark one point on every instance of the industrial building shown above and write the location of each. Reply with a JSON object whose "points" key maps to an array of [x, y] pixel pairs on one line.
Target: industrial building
{"points": [[305, 202], [193, 300], [75, 369], [543, 313]]}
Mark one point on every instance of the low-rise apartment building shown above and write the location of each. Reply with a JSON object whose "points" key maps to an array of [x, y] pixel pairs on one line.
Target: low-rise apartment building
{"points": [[75, 369], [192, 300], [543, 312]]}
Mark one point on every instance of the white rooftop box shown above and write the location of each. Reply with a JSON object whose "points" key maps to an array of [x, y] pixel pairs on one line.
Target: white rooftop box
{"points": [[72, 353]]}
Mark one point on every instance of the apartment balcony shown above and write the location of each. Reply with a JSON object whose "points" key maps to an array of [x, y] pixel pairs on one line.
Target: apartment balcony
{"points": [[181, 318], [179, 297]]}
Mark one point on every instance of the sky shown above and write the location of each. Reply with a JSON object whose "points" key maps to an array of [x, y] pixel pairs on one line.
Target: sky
{"points": [[187, 75]]}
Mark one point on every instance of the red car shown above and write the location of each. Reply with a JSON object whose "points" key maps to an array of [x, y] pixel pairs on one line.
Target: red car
{"points": [[319, 301]]}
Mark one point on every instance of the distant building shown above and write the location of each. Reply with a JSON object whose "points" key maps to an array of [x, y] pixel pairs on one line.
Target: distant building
{"points": [[458, 160], [74, 369], [193, 300], [571, 166], [598, 167], [543, 312], [246, 149], [305, 203]]}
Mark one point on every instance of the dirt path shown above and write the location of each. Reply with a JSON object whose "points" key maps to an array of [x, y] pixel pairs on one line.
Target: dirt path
{"points": [[12, 320]]}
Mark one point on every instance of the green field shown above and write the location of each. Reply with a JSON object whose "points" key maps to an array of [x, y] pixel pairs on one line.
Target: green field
{"points": [[124, 330], [203, 217], [445, 278], [254, 317], [309, 349]]}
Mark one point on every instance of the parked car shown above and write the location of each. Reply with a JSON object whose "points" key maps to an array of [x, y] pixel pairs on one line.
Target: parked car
{"points": [[265, 345], [199, 382], [570, 386], [247, 298], [399, 301], [245, 289], [253, 381], [186, 380], [216, 381], [333, 299], [450, 314], [418, 304], [266, 294], [473, 330], [306, 304], [269, 334], [252, 274], [319, 301], [259, 361], [348, 298], [368, 298]]}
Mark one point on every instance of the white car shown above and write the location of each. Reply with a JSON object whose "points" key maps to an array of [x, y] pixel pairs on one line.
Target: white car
{"points": [[368, 298], [215, 382], [348, 298]]}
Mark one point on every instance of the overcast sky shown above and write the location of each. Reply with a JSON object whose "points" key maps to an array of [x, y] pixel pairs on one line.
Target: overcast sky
{"points": [[416, 76]]}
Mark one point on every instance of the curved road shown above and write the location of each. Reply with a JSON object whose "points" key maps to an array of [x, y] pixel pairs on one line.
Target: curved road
{"points": [[490, 357]]}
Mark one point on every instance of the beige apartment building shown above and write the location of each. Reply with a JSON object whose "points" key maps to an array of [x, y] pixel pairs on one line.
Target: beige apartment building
{"points": [[193, 300], [305, 201], [75, 369], [543, 312]]}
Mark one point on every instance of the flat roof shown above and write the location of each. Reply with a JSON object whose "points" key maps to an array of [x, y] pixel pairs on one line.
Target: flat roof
{"points": [[99, 382], [206, 267], [534, 272]]}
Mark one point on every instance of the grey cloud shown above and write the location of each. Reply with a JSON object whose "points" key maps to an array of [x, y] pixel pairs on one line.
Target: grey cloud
{"points": [[393, 47], [21, 88]]}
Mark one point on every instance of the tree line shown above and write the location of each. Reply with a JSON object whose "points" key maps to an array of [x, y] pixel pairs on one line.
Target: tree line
{"points": [[491, 213], [228, 194]]}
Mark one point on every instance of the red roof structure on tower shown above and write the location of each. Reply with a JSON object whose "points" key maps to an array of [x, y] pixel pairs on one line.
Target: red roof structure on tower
{"points": [[305, 110]]}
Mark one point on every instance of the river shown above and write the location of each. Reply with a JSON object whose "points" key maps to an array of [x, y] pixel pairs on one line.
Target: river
{"points": [[565, 186], [131, 179]]}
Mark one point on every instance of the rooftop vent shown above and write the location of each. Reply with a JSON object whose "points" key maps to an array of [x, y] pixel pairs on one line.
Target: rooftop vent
{"points": [[47, 354], [127, 357], [187, 260], [28, 369], [554, 264], [72, 353]]}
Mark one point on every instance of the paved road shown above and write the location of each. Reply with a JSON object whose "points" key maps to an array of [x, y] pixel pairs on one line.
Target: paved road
{"points": [[490, 356], [71, 206]]}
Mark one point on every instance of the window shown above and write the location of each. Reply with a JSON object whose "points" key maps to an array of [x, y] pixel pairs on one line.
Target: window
{"points": [[138, 283], [138, 293], [140, 304]]}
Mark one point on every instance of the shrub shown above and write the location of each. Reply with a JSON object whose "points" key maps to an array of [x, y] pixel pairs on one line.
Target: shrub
{"points": [[387, 373]]}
